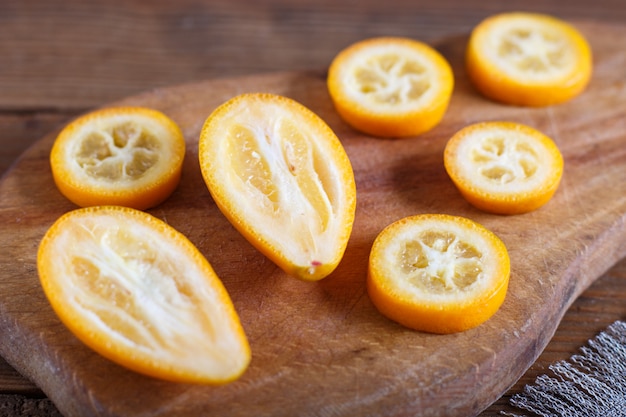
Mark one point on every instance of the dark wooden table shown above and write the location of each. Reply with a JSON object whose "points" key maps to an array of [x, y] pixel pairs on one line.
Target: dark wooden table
{"points": [[61, 58]]}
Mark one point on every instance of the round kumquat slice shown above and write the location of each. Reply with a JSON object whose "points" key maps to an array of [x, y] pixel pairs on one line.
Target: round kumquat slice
{"points": [[438, 273], [140, 293], [504, 167], [128, 156], [283, 179], [390, 87], [528, 59]]}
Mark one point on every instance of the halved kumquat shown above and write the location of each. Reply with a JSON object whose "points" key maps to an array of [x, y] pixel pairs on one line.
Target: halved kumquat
{"points": [[140, 293], [128, 156], [438, 273], [504, 167], [283, 179], [528, 59], [390, 87]]}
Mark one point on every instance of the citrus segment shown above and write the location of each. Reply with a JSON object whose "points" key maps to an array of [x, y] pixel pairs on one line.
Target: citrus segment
{"points": [[504, 167], [438, 273], [283, 179], [139, 293], [528, 59], [390, 87], [128, 156]]}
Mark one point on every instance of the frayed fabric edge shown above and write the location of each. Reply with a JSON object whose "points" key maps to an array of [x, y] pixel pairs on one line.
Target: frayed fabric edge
{"points": [[592, 383]]}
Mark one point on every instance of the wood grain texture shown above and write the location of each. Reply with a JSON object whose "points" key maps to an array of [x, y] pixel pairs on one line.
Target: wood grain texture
{"points": [[73, 54], [321, 348], [597, 308], [21, 129]]}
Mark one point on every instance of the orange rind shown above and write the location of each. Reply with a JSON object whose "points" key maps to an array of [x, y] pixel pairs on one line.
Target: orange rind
{"points": [[283, 179], [438, 273], [504, 167], [127, 156], [528, 59], [139, 293], [390, 86]]}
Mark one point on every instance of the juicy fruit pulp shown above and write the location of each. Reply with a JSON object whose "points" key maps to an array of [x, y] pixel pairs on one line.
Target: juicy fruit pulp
{"points": [[283, 179], [440, 263], [438, 273], [128, 156], [138, 292], [504, 167], [390, 87], [528, 59]]}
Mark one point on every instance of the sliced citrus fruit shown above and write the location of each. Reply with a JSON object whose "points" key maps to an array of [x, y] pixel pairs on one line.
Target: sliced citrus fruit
{"points": [[128, 156], [438, 273], [504, 167], [390, 87], [140, 293], [283, 179], [528, 59]]}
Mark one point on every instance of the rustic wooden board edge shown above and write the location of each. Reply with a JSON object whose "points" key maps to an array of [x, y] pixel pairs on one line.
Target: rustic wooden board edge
{"points": [[585, 272]]}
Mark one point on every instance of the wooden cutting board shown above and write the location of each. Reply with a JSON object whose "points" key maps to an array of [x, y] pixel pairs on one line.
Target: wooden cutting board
{"points": [[321, 349]]}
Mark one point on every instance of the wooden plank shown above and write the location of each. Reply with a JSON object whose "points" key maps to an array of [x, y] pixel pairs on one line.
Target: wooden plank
{"points": [[21, 129], [324, 347], [596, 309], [12, 382], [76, 54]]}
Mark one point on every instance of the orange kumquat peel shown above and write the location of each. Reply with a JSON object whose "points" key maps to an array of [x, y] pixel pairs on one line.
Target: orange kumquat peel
{"points": [[390, 87], [139, 293], [128, 156], [528, 59], [504, 167], [283, 179], [438, 273]]}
